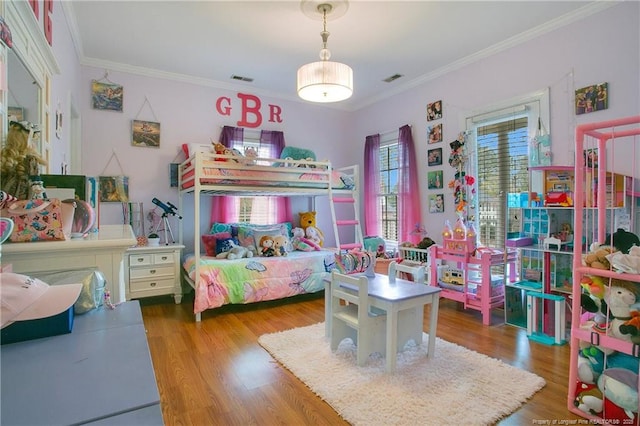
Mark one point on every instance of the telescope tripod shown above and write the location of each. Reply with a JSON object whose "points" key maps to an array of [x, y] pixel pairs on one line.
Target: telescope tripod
{"points": [[167, 229]]}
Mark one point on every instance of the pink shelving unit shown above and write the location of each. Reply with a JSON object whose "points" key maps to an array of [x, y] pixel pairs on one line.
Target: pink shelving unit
{"points": [[479, 290], [604, 364]]}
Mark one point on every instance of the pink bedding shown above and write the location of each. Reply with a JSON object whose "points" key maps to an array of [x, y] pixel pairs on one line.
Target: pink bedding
{"points": [[263, 176], [257, 279]]}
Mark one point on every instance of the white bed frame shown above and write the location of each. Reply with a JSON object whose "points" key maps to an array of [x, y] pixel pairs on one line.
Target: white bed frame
{"points": [[285, 182]]}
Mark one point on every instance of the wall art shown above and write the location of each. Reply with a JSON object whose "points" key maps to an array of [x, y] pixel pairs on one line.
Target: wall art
{"points": [[434, 179], [145, 133], [436, 203], [435, 133], [106, 96], [114, 189], [592, 98], [434, 110], [434, 157]]}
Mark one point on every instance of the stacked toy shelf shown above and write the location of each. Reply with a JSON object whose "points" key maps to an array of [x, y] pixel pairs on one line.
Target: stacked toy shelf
{"points": [[479, 287], [605, 344]]}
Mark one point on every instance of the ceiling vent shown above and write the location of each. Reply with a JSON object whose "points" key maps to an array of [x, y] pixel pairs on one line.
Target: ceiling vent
{"points": [[392, 78], [241, 78]]}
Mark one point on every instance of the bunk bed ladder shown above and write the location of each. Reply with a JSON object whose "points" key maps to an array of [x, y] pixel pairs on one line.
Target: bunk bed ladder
{"points": [[352, 222]]}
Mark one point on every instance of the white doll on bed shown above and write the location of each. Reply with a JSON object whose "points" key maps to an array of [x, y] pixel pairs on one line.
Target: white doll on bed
{"points": [[235, 252]]}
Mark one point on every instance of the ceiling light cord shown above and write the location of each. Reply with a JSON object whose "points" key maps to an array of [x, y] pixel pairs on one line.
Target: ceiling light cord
{"points": [[325, 54]]}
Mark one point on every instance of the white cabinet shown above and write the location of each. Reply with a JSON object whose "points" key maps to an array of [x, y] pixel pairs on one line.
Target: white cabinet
{"points": [[153, 271]]}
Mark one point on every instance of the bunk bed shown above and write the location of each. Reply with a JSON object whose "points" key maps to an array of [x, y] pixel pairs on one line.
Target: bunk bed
{"points": [[605, 344], [248, 280]]}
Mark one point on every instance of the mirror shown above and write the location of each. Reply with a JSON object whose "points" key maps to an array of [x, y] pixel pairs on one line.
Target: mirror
{"points": [[23, 94]]}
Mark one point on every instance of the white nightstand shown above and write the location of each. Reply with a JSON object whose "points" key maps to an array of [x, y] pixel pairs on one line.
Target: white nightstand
{"points": [[153, 271]]}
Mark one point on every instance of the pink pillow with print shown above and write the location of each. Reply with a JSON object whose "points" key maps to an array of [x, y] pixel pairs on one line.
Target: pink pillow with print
{"points": [[209, 241]]}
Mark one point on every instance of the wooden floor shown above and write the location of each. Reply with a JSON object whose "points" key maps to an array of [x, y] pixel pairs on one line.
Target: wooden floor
{"points": [[215, 373]]}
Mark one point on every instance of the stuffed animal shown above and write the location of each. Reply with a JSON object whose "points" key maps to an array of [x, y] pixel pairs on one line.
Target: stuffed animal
{"points": [[631, 327], [280, 243], [597, 257], [312, 233], [301, 242], [250, 155], [623, 240], [267, 246], [425, 243], [235, 252], [308, 219], [218, 148]]}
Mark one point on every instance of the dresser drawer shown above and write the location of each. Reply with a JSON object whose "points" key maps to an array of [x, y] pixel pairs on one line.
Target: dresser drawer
{"points": [[151, 284], [163, 258], [151, 272], [140, 259]]}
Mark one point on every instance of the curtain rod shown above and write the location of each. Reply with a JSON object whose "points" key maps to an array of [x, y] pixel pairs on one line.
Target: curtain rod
{"points": [[391, 131]]}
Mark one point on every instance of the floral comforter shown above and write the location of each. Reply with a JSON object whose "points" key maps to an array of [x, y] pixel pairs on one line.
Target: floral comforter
{"points": [[257, 279]]}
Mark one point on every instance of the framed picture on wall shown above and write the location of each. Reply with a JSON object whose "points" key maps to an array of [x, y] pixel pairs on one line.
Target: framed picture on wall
{"points": [[434, 157], [436, 203], [434, 179], [107, 96], [435, 133], [592, 98], [114, 189], [145, 133], [434, 110]]}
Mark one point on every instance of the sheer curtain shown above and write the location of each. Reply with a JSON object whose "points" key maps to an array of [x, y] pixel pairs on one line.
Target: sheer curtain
{"points": [[226, 209], [408, 189], [371, 185]]}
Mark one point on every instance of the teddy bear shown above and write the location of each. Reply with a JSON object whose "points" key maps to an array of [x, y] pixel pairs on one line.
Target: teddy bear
{"points": [[219, 149], [235, 252], [597, 257], [307, 220], [280, 243]]}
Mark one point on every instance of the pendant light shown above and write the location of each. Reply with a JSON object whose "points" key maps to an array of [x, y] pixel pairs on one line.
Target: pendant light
{"points": [[325, 80]]}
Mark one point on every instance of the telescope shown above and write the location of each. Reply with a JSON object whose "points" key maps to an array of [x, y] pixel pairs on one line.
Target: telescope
{"points": [[169, 209]]}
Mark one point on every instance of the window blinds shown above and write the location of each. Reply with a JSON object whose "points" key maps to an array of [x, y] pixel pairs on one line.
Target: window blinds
{"points": [[502, 161]]}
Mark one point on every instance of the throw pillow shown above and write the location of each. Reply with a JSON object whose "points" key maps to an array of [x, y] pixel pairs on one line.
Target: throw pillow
{"points": [[210, 241]]}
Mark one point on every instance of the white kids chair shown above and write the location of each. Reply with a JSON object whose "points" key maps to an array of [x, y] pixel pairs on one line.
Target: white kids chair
{"points": [[354, 319], [417, 272]]}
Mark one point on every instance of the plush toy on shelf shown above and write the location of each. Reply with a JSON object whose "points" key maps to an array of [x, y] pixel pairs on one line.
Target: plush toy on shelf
{"points": [[307, 221]]}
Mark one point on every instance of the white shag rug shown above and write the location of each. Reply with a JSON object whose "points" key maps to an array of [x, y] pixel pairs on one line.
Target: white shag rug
{"points": [[457, 386]]}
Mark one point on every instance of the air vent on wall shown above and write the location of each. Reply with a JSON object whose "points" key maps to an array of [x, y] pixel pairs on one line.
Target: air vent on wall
{"points": [[241, 78], [392, 78]]}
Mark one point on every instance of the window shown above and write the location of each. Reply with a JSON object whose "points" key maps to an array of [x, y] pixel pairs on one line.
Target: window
{"points": [[499, 141], [388, 192], [262, 209]]}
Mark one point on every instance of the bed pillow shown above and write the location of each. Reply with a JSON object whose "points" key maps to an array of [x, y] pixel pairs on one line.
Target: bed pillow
{"points": [[250, 235], [210, 242]]}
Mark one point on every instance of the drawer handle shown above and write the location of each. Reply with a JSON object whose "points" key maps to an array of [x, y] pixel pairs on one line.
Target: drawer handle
{"points": [[152, 284], [165, 257], [152, 271], [140, 259]]}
